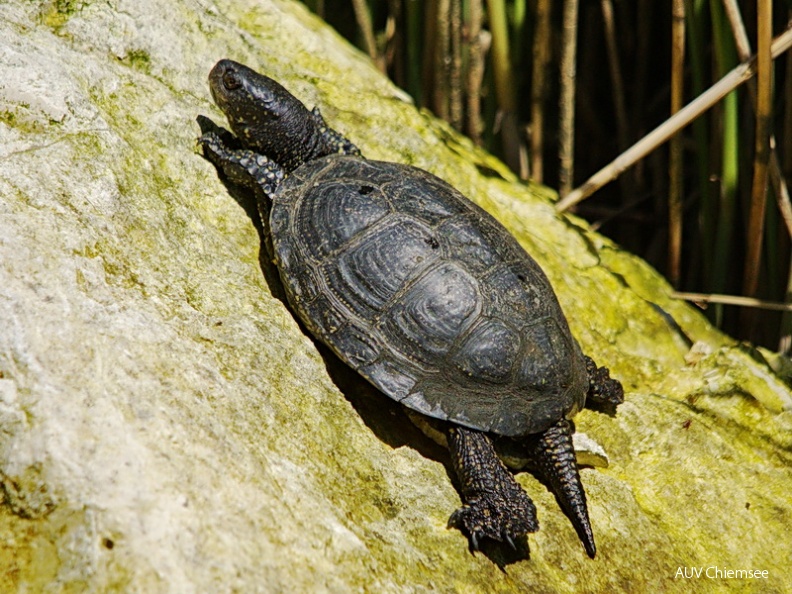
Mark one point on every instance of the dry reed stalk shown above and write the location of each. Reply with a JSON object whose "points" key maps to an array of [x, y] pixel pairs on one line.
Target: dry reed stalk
{"points": [[743, 46], [566, 132], [764, 106], [455, 110], [364, 22], [541, 54], [737, 76], [475, 73], [704, 298], [676, 187], [505, 86]]}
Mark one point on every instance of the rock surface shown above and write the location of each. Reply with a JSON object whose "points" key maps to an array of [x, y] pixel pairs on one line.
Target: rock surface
{"points": [[165, 426]]}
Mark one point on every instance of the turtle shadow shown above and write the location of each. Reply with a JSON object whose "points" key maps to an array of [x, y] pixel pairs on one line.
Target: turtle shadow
{"points": [[385, 417], [389, 422]]}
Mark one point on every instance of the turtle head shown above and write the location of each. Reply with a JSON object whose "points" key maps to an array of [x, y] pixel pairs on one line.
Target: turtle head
{"points": [[265, 116]]}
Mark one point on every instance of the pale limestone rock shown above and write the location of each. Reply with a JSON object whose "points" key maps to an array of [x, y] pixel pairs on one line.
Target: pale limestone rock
{"points": [[166, 427]]}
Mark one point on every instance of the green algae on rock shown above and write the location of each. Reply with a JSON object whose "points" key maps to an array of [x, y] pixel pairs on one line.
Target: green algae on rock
{"points": [[162, 401]]}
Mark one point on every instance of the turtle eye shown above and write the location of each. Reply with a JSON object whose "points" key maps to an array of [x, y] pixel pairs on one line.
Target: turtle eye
{"points": [[230, 80]]}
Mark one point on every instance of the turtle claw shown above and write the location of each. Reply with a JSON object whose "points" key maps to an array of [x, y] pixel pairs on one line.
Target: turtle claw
{"points": [[510, 541], [494, 518]]}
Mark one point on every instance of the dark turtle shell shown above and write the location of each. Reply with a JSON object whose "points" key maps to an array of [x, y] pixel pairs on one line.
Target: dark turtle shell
{"points": [[425, 295]]}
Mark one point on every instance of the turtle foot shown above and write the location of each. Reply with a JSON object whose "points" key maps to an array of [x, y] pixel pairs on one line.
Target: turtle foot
{"points": [[242, 167], [605, 393], [497, 518], [495, 505]]}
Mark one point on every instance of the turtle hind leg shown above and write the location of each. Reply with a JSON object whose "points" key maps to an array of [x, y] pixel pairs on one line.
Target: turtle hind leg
{"points": [[554, 456], [604, 393], [495, 505]]}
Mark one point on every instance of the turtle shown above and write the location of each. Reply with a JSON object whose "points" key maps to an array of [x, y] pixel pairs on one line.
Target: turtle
{"points": [[422, 293]]}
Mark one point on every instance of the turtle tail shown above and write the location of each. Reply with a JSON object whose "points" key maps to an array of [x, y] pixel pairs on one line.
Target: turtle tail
{"points": [[554, 456]]}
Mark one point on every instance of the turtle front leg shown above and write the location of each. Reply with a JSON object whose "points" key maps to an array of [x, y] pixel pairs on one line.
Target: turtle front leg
{"points": [[242, 166], [495, 505], [247, 169], [336, 142], [554, 456]]}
